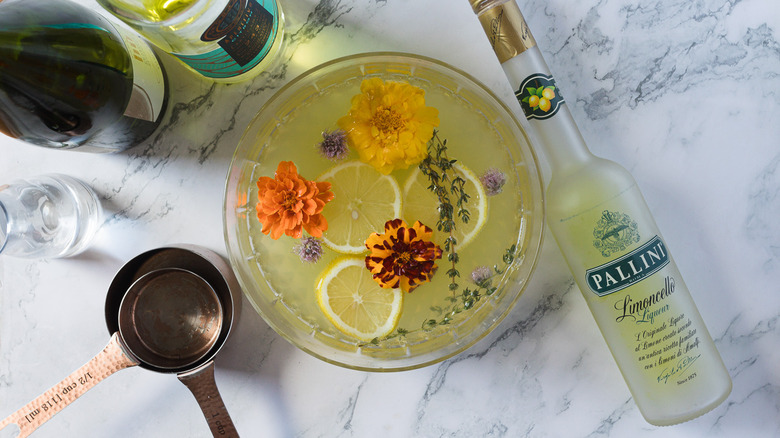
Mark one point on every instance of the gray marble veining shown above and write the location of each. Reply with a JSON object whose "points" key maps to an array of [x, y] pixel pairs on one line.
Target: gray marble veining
{"points": [[682, 93]]}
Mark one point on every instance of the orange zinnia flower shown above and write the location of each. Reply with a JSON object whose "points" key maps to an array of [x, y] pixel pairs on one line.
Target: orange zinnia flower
{"points": [[403, 256], [288, 203]]}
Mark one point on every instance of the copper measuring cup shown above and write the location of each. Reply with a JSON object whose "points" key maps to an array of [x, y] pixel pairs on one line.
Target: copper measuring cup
{"points": [[168, 310]]}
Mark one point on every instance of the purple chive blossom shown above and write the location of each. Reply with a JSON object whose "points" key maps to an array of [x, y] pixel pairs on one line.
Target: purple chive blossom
{"points": [[481, 276], [493, 181], [334, 145], [309, 250]]}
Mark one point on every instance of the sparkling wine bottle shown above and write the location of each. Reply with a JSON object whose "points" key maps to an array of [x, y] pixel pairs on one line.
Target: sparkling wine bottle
{"points": [[224, 40], [69, 79], [612, 245]]}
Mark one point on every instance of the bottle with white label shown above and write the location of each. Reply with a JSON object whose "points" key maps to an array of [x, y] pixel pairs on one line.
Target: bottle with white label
{"points": [[224, 40], [69, 79], [612, 245]]}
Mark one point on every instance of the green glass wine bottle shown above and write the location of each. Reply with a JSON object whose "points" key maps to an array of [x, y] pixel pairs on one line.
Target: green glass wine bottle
{"points": [[69, 79], [612, 245]]}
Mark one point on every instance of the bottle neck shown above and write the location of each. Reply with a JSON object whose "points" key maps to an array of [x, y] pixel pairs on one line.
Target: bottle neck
{"points": [[546, 110], [535, 88]]}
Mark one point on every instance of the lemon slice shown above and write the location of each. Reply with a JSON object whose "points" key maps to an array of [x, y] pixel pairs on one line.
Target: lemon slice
{"points": [[363, 201], [420, 204], [355, 303]]}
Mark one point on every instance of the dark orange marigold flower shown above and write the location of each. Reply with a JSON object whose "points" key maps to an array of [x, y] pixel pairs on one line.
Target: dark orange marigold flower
{"points": [[288, 203], [403, 256]]}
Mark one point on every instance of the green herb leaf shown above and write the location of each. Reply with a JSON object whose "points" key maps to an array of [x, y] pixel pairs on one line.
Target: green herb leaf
{"points": [[437, 166]]}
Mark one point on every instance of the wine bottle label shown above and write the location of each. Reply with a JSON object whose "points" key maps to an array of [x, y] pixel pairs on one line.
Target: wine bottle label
{"points": [[148, 95], [245, 32], [539, 97], [507, 30]]}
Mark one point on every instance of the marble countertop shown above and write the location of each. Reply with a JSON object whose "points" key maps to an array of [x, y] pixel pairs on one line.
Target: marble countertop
{"points": [[683, 94]]}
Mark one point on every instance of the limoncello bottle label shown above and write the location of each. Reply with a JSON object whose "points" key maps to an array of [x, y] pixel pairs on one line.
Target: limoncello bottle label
{"points": [[632, 268], [245, 32], [634, 290]]}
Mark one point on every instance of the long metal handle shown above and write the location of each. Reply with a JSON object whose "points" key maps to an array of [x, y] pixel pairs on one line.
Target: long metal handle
{"points": [[112, 359], [203, 386]]}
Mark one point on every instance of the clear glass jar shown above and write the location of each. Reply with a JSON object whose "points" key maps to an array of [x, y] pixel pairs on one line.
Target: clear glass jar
{"points": [[48, 216]]}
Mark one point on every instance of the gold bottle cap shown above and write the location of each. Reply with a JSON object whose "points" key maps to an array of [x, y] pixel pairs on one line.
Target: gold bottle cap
{"points": [[479, 5], [505, 27]]}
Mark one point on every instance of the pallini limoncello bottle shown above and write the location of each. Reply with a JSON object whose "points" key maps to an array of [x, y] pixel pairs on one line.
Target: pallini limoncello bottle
{"points": [[612, 245]]}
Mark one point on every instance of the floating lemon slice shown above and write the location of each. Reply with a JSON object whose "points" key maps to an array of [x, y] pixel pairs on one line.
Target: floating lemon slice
{"points": [[420, 204], [355, 303], [363, 201]]}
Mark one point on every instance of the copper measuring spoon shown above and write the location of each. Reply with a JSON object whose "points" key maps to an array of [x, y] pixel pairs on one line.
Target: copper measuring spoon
{"points": [[170, 319]]}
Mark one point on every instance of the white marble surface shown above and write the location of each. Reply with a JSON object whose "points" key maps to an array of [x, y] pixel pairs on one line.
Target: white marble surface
{"points": [[684, 94]]}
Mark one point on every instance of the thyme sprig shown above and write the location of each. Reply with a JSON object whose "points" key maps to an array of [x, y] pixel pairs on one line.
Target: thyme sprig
{"points": [[458, 303], [470, 297], [446, 185]]}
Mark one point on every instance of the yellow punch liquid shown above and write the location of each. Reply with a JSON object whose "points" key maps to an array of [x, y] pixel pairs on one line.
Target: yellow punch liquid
{"points": [[495, 226]]}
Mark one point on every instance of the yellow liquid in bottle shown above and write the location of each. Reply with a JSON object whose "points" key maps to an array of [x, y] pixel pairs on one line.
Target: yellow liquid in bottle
{"points": [[646, 314], [155, 10], [612, 245]]}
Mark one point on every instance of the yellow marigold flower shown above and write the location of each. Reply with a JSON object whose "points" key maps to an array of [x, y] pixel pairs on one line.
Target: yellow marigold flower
{"points": [[403, 256], [389, 125]]}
